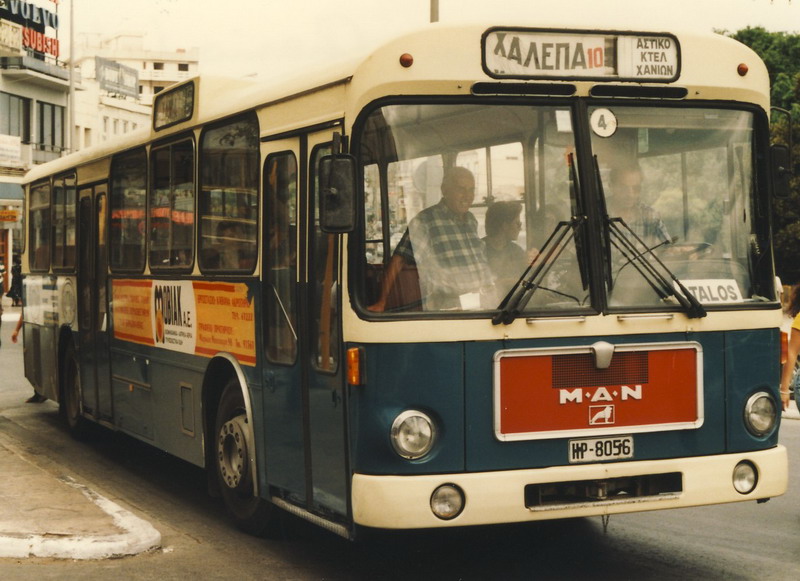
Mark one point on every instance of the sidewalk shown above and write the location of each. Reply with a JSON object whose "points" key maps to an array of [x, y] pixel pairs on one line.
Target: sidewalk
{"points": [[792, 413], [45, 515]]}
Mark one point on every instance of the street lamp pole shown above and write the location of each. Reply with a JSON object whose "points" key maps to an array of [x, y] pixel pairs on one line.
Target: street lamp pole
{"points": [[71, 116]]}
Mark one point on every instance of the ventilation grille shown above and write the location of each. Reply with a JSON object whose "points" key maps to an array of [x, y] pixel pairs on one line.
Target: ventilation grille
{"points": [[627, 368]]}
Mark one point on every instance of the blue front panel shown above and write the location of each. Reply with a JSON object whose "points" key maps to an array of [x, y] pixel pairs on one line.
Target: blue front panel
{"points": [[751, 364], [454, 383], [427, 377]]}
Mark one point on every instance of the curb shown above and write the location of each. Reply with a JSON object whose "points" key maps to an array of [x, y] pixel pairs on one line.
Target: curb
{"points": [[138, 536]]}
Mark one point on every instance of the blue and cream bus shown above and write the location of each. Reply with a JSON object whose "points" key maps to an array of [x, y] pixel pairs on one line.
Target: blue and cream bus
{"points": [[257, 285]]}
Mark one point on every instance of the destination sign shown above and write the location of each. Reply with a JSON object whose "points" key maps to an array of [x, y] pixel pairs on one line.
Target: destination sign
{"points": [[536, 55], [173, 106]]}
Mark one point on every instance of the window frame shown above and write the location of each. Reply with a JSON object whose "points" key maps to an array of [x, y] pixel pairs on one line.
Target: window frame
{"points": [[152, 176], [45, 228], [202, 205], [269, 298], [70, 226], [112, 198]]}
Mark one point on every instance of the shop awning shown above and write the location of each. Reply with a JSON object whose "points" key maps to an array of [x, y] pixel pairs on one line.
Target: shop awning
{"points": [[10, 191]]}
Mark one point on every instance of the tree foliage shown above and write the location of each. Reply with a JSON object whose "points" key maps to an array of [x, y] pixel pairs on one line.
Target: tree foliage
{"points": [[780, 51]]}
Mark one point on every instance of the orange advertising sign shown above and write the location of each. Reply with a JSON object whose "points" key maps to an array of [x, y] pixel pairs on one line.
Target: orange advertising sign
{"points": [[194, 317], [560, 392], [9, 215]]}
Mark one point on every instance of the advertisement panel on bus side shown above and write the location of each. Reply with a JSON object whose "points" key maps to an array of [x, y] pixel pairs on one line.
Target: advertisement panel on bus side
{"points": [[195, 317]]}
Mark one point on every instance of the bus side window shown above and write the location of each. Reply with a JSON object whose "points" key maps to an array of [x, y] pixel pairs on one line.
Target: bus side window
{"points": [[127, 207], [64, 226], [40, 231], [172, 206], [228, 204]]}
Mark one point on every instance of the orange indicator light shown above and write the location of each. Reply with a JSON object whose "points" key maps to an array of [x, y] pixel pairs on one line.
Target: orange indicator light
{"points": [[742, 69], [784, 347], [406, 60], [354, 366]]}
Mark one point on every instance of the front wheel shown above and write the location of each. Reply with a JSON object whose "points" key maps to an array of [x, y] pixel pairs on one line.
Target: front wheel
{"points": [[233, 454]]}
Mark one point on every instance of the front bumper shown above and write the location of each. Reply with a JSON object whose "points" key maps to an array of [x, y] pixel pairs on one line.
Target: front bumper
{"points": [[403, 502]]}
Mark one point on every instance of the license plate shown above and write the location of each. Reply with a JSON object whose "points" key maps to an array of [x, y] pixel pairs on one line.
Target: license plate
{"points": [[598, 449]]}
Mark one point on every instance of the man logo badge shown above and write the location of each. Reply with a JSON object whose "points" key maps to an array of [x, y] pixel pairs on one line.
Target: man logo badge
{"points": [[601, 415]]}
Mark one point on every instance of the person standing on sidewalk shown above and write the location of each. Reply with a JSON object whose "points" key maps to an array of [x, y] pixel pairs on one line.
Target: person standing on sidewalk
{"points": [[35, 398], [794, 346]]}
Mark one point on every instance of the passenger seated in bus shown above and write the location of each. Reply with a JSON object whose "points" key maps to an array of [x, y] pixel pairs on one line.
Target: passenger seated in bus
{"points": [[443, 242], [625, 202], [230, 238], [507, 260]]}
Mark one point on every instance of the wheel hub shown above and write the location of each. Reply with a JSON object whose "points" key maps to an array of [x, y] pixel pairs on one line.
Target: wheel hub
{"points": [[232, 451]]}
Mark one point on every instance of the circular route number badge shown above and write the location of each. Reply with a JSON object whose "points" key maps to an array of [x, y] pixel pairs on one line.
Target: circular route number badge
{"points": [[603, 122]]}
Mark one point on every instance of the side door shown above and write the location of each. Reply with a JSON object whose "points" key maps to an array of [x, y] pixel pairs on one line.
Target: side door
{"points": [[325, 384], [304, 397], [93, 302]]}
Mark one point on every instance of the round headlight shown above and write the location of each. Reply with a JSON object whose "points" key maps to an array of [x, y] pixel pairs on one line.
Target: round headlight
{"points": [[447, 501], [413, 434], [760, 413], [745, 477]]}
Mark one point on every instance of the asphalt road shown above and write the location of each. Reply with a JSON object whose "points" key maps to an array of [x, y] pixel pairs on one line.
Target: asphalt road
{"points": [[740, 541]]}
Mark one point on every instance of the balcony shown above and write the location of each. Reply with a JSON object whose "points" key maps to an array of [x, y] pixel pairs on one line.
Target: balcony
{"points": [[37, 72], [44, 153], [169, 76]]}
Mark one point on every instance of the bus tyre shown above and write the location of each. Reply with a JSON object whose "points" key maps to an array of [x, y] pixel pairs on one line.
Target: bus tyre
{"points": [[70, 400], [233, 456]]}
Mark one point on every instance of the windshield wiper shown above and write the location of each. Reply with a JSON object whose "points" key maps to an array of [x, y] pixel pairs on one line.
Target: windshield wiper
{"points": [[656, 273], [530, 281]]}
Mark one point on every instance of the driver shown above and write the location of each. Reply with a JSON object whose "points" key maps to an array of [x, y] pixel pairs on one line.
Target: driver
{"points": [[626, 202]]}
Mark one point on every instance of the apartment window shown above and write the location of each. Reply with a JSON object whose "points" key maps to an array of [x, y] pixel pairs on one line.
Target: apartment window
{"points": [[157, 90], [51, 126], [158, 66], [184, 67], [15, 116]]}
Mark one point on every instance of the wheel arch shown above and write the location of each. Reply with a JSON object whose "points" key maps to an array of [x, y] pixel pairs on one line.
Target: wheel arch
{"points": [[222, 368]]}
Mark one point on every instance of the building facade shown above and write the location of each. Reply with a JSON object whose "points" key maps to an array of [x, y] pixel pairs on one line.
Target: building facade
{"points": [[113, 83], [34, 90], [120, 77]]}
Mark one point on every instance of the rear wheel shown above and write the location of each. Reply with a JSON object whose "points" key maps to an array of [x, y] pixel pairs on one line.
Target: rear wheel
{"points": [[70, 401], [233, 453]]}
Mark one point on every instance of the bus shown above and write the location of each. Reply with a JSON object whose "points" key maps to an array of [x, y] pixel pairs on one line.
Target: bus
{"points": [[295, 285]]}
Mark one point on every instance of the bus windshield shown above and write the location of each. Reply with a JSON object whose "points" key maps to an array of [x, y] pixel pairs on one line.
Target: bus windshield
{"points": [[679, 191], [465, 205]]}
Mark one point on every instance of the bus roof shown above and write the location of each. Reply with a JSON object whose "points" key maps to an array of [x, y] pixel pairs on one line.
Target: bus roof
{"points": [[709, 70]]}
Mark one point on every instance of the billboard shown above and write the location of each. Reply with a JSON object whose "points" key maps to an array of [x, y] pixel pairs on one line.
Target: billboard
{"points": [[116, 78]]}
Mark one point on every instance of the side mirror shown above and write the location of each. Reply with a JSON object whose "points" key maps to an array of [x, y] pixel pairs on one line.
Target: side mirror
{"points": [[781, 166], [337, 182]]}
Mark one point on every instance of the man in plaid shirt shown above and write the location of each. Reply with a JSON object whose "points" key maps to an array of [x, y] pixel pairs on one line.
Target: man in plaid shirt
{"points": [[442, 241]]}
